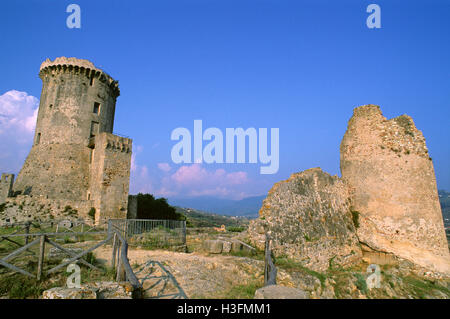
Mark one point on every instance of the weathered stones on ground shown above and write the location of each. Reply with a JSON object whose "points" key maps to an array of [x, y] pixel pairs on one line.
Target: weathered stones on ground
{"points": [[69, 293], [214, 275], [23, 208], [309, 220], [112, 290], [227, 246], [213, 246], [280, 292], [223, 245], [98, 290], [392, 188]]}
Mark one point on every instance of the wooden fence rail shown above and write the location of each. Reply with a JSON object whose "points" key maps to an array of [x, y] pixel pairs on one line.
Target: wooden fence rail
{"points": [[119, 262]]}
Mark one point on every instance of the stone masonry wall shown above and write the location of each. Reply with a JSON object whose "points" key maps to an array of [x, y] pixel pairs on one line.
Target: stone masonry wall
{"points": [[55, 171], [6, 183], [132, 207], [24, 208], [110, 175]]}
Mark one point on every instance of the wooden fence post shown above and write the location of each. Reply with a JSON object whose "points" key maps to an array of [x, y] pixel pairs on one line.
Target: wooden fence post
{"points": [[81, 237], [27, 231], [114, 252], [184, 233], [120, 275], [270, 271], [41, 257]]}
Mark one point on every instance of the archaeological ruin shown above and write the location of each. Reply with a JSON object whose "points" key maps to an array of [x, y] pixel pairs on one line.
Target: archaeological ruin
{"points": [[392, 186], [76, 165], [384, 207]]}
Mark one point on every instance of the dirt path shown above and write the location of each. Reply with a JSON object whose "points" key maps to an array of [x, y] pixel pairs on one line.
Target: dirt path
{"points": [[197, 275]]}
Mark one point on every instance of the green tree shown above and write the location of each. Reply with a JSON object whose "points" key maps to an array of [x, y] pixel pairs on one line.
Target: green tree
{"points": [[150, 208]]}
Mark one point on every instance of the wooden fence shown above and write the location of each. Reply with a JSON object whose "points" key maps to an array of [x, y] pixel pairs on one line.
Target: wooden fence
{"points": [[120, 260]]}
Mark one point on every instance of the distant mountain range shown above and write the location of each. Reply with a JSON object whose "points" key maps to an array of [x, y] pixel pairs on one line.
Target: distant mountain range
{"points": [[444, 199], [248, 207]]}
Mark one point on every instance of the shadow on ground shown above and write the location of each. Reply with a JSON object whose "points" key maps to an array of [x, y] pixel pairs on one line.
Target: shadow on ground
{"points": [[158, 282]]}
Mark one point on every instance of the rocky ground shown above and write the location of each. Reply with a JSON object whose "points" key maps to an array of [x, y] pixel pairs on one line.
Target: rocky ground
{"points": [[199, 273]]}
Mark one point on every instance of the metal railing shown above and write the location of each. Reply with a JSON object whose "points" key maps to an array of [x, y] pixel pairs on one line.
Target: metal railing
{"points": [[151, 232]]}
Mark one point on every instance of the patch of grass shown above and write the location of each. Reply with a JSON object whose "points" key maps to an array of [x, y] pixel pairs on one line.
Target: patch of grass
{"points": [[258, 255], [92, 275], [424, 287], [330, 262], [243, 291], [18, 286], [91, 213], [31, 288], [90, 258], [361, 283], [67, 240], [306, 237], [289, 264], [235, 229], [135, 265], [67, 208], [355, 218], [8, 230]]}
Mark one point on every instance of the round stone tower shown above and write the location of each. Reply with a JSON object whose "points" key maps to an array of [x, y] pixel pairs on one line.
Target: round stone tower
{"points": [[77, 103]]}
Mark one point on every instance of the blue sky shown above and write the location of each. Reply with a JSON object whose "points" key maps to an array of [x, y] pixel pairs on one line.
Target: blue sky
{"points": [[300, 66]]}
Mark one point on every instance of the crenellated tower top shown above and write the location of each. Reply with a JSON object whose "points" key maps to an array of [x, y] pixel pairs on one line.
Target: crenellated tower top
{"points": [[80, 66]]}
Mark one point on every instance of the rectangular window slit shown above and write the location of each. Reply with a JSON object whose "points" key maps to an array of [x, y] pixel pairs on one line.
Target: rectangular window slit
{"points": [[96, 108]]}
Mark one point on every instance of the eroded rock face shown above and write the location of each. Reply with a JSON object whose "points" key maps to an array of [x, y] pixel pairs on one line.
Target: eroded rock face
{"points": [[309, 220], [392, 185]]}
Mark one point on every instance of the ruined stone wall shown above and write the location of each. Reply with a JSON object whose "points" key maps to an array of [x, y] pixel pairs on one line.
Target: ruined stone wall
{"points": [[392, 186], [132, 207], [55, 171], [110, 175], [6, 183], [24, 208], [309, 220]]}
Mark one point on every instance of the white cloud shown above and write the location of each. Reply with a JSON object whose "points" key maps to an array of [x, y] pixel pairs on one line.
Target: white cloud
{"points": [[195, 180], [187, 181], [165, 167], [18, 112]]}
